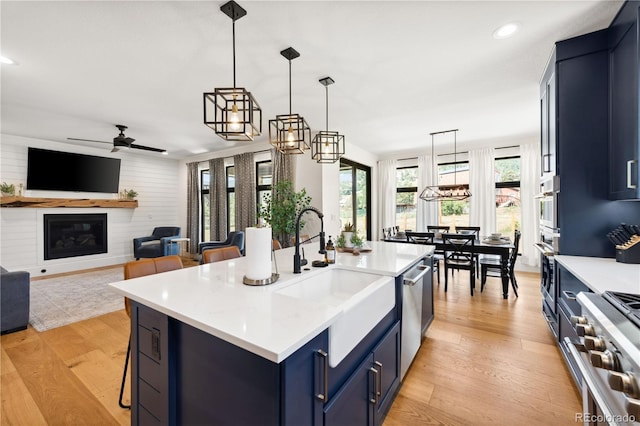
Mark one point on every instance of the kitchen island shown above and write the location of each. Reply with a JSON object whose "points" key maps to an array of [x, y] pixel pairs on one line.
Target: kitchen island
{"points": [[207, 348]]}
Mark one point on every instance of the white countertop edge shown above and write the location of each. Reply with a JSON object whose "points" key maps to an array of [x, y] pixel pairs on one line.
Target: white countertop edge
{"points": [[603, 274]]}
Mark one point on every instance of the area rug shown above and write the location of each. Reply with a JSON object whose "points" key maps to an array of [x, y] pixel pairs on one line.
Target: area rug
{"points": [[64, 300]]}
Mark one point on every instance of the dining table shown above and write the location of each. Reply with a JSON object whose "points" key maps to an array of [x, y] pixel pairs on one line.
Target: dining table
{"points": [[484, 245]]}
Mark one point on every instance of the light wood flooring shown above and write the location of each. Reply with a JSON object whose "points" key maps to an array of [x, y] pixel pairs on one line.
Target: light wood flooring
{"points": [[484, 361]]}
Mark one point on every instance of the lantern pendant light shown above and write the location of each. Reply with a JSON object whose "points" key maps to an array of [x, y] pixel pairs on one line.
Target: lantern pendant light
{"points": [[453, 192], [233, 113], [289, 133], [327, 146]]}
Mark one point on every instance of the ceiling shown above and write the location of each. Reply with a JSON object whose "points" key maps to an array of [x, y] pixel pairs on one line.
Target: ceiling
{"points": [[401, 69]]}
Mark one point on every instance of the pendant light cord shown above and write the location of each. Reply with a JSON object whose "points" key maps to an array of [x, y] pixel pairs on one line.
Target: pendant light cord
{"points": [[289, 89], [455, 159], [234, 53], [327, 106]]}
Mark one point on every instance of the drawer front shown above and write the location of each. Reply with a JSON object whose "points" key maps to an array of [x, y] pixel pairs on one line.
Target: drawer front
{"points": [[149, 397], [151, 372], [146, 418]]}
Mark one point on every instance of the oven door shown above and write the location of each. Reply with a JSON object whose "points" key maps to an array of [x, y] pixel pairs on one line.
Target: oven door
{"points": [[600, 405]]}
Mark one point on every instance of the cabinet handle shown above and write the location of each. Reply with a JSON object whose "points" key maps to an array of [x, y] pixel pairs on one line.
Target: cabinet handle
{"points": [[374, 400], [325, 367], [379, 390], [630, 184], [569, 295]]}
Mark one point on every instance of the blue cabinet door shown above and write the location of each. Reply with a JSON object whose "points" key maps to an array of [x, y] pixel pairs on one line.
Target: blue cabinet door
{"points": [[353, 403], [386, 360], [624, 143]]}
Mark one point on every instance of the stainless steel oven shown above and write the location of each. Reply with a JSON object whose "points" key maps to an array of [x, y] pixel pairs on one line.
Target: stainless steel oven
{"points": [[607, 354], [548, 198]]}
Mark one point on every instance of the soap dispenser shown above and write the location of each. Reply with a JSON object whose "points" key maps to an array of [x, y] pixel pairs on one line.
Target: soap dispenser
{"points": [[330, 255]]}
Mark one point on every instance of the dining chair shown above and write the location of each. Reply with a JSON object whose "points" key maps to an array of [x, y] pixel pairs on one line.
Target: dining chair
{"points": [[275, 245], [458, 256], [220, 254], [425, 238], [438, 230], [141, 268], [491, 265], [474, 230]]}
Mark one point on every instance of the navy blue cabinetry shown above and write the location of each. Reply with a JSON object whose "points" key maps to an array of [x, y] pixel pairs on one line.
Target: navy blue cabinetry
{"points": [[624, 143]]}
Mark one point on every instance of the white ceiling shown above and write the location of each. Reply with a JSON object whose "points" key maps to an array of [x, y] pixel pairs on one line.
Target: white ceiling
{"points": [[402, 69]]}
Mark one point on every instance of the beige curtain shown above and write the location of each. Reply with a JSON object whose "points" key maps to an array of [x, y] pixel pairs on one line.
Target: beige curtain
{"points": [[193, 207], [245, 190], [283, 167], [217, 200]]}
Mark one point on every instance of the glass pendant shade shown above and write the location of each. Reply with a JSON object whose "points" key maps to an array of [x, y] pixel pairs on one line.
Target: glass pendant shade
{"points": [[232, 112], [289, 133], [327, 146], [453, 192]]}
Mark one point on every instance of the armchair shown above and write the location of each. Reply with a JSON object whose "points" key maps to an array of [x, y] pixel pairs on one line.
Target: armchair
{"points": [[14, 300], [235, 238], [157, 244]]}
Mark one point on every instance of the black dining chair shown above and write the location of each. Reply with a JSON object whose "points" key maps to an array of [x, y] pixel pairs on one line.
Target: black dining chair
{"points": [[473, 230], [457, 255], [425, 238], [491, 265]]}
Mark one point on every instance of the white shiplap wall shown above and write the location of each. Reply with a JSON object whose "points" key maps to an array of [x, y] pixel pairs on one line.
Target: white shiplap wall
{"points": [[155, 178]]}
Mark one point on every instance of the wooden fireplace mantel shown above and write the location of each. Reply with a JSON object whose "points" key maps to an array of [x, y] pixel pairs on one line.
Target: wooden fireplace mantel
{"points": [[38, 202]]}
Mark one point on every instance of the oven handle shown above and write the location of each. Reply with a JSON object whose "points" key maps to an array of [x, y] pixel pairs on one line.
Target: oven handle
{"points": [[543, 249], [588, 380]]}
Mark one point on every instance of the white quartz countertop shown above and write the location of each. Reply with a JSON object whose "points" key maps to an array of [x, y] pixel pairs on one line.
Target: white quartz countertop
{"points": [[212, 297], [603, 274]]}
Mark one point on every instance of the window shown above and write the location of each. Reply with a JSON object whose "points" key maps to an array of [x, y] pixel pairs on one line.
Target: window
{"points": [[231, 198], [508, 216], [453, 213], [264, 176], [406, 197], [355, 196]]}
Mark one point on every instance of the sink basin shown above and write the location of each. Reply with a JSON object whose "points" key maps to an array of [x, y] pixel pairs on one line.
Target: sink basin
{"points": [[363, 298]]}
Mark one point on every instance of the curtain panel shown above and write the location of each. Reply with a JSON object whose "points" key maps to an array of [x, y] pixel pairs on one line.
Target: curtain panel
{"points": [[427, 211], [283, 167], [482, 185], [387, 185], [193, 207], [217, 200], [529, 187], [245, 169]]}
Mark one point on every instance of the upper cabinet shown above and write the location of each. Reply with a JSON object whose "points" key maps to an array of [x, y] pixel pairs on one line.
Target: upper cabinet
{"points": [[548, 121], [624, 139]]}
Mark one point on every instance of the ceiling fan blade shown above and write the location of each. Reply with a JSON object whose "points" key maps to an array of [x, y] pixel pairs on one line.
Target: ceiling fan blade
{"points": [[147, 148], [87, 140]]}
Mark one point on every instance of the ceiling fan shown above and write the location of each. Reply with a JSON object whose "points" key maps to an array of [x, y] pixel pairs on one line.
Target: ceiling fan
{"points": [[122, 141]]}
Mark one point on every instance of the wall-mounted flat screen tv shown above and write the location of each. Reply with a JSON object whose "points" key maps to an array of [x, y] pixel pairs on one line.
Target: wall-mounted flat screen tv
{"points": [[68, 171]]}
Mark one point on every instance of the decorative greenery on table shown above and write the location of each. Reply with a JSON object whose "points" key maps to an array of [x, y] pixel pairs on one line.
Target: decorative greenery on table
{"points": [[356, 240], [280, 209]]}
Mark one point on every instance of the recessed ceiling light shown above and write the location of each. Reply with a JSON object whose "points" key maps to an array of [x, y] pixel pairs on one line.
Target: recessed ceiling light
{"points": [[507, 30], [7, 61]]}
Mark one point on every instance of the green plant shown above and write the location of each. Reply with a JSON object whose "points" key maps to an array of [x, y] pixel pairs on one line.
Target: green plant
{"points": [[5, 188], [131, 194], [280, 208], [348, 227], [356, 241], [340, 241]]}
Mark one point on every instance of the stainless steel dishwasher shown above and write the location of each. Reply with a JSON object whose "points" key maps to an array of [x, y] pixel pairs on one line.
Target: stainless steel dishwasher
{"points": [[411, 332]]}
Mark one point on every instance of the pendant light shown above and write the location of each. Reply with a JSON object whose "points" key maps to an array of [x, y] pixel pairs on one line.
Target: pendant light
{"points": [[289, 133], [233, 113], [453, 192], [327, 146]]}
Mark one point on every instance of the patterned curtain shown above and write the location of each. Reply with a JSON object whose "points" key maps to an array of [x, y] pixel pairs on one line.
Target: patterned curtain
{"points": [[217, 200], [283, 167], [193, 207], [245, 190]]}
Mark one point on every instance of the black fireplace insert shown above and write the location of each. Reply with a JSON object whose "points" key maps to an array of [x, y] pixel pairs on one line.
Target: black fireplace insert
{"points": [[70, 235]]}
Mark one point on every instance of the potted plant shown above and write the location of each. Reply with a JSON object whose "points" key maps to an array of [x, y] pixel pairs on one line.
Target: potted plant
{"points": [[8, 190], [280, 208], [356, 241], [347, 233], [131, 194], [341, 241]]}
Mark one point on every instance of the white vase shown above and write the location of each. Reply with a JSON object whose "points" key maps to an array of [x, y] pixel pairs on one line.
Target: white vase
{"points": [[347, 239]]}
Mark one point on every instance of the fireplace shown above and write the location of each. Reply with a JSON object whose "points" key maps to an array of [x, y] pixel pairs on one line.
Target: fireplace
{"points": [[70, 235]]}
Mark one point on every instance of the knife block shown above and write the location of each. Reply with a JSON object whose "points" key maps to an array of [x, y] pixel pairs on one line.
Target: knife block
{"points": [[629, 254]]}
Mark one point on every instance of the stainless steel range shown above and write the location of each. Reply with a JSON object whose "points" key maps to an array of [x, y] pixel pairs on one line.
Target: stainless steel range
{"points": [[608, 357]]}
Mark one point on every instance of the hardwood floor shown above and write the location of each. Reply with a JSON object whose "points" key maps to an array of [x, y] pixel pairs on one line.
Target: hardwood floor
{"points": [[484, 360]]}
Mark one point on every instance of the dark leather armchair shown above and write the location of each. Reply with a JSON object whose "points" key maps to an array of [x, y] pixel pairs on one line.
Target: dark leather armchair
{"points": [[235, 238], [14, 300], [157, 244]]}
